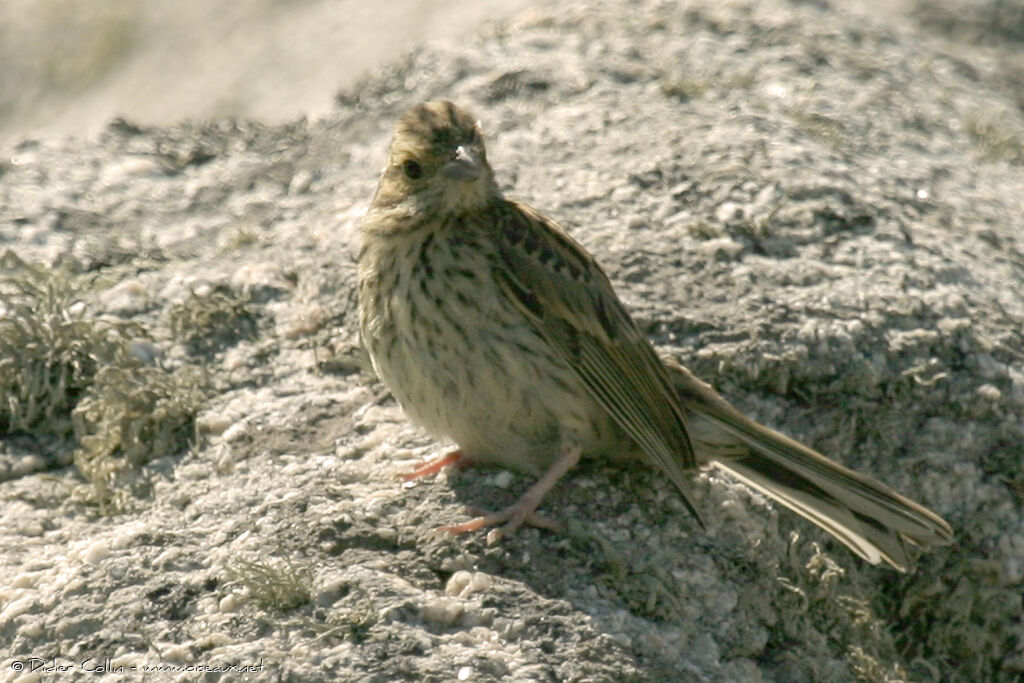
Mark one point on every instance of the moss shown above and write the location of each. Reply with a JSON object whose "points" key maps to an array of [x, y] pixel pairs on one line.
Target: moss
{"points": [[827, 129], [273, 583], [64, 372], [996, 142], [50, 349], [131, 414], [682, 87], [211, 321]]}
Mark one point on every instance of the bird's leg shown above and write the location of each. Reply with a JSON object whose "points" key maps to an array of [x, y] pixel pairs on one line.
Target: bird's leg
{"points": [[434, 466], [524, 509]]}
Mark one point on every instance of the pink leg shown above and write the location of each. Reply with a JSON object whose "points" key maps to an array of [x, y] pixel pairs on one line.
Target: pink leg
{"points": [[525, 509], [436, 465]]}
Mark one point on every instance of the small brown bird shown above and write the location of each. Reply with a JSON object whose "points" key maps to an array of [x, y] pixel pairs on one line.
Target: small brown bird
{"points": [[492, 327]]}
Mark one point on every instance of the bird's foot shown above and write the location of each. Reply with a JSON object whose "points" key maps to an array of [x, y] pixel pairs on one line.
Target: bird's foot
{"points": [[525, 509], [434, 466]]}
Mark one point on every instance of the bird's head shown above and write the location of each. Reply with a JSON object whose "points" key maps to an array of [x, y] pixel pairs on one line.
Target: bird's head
{"points": [[436, 163]]}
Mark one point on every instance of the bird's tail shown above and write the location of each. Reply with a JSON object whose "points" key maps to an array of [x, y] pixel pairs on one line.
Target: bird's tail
{"points": [[867, 516]]}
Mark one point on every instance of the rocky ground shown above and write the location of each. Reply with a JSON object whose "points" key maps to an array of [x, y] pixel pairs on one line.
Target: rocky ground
{"points": [[819, 209]]}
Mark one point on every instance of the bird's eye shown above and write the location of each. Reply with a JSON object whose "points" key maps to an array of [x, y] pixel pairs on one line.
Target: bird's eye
{"points": [[411, 169]]}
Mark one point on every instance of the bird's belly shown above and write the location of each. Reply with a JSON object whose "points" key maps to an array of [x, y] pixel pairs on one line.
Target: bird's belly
{"points": [[479, 374]]}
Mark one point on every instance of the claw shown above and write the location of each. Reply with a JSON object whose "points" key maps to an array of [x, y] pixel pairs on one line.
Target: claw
{"points": [[434, 466], [511, 518]]}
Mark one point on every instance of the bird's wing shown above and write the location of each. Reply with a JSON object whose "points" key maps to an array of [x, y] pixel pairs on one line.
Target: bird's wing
{"points": [[562, 291]]}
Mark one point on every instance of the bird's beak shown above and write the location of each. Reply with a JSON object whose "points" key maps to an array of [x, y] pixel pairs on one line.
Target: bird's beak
{"points": [[465, 165]]}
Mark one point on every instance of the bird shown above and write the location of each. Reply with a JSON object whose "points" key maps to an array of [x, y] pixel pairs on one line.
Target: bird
{"points": [[493, 328]]}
